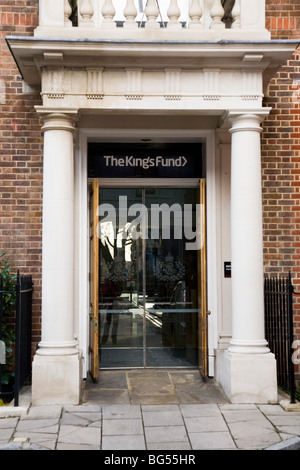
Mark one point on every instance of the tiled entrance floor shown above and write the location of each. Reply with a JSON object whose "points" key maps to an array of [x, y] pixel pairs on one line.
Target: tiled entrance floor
{"points": [[153, 387]]}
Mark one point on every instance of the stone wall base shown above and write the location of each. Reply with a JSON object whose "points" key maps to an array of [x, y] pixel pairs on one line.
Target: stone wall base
{"points": [[247, 378], [56, 380]]}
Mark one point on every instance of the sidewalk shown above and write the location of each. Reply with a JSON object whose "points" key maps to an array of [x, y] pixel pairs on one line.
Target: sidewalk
{"points": [[178, 427]]}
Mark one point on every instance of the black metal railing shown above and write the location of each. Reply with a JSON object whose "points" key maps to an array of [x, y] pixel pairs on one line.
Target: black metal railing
{"points": [[280, 330], [21, 342]]}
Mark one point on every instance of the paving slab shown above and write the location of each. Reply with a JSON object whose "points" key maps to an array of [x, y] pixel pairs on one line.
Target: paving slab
{"points": [[6, 434], [133, 442], [170, 398], [81, 419], [206, 423], [286, 420], [212, 441], [253, 434], [176, 446], [113, 380], [289, 429], [108, 396], [187, 386], [162, 418], [165, 407], [270, 410], [35, 437], [238, 406], [151, 387], [166, 434], [122, 427], [69, 446], [51, 412], [85, 408], [8, 422], [42, 425], [192, 411], [69, 434], [237, 416], [121, 411]]}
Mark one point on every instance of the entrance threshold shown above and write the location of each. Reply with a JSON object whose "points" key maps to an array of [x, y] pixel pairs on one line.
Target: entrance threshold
{"points": [[153, 387]]}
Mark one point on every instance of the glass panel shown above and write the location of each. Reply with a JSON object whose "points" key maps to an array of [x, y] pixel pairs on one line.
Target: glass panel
{"points": [[121, 287], [148, 278], [171, 280]]}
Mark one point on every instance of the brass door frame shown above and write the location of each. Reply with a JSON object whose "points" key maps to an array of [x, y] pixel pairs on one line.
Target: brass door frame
{"points": [[94, 281], [202, 285]]}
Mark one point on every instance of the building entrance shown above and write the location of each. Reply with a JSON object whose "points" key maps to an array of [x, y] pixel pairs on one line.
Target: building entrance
{"points": [[149, 245], [147, 259]]}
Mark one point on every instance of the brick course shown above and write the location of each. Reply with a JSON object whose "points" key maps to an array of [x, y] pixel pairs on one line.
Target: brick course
{"points": [[281, 156], [20, 158]]}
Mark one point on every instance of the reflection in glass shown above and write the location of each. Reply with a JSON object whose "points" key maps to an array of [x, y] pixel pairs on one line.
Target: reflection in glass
{"points": [[148, 281]]}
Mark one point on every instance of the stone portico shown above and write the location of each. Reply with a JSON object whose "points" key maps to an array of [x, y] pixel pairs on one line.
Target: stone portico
{"points": [[192, 80]]}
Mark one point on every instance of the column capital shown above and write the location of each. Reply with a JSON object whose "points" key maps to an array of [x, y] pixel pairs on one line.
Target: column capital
{"points": [[246, 119], [57, 119]]}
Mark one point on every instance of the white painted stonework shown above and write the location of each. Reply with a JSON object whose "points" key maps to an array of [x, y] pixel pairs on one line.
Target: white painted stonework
{"points": [[198, 19], [255, 382], [152, 86], [195, 81]]}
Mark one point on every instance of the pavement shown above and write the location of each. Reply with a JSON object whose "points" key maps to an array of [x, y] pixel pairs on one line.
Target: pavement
{"points": [[133, 423]]}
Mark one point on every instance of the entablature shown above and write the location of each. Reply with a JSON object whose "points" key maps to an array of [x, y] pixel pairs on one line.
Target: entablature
{"points": [[137, 86]]}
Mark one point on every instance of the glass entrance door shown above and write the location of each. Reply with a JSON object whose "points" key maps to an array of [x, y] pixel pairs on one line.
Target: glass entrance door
{"points": [[148, 277]]}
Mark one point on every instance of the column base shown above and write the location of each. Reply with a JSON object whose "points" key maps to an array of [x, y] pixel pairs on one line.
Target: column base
{"points": [[247, 378], [56, 380]]}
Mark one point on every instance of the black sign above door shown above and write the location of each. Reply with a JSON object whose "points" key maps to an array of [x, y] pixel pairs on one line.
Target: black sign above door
{"points": [[144, 160]]}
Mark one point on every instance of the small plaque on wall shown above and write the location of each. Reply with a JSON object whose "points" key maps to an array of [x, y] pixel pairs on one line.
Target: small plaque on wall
{"points": [[227, 269]]}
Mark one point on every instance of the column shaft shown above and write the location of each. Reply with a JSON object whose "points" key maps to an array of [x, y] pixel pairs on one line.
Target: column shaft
{"points": [[247, 370], [246, 237], [58, 238], [56, 369]]}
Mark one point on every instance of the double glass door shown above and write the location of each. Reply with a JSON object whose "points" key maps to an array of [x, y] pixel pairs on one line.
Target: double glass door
{"points": [[148, 278]]}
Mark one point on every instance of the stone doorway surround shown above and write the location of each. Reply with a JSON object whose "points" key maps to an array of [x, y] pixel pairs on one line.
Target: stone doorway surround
{"points": [[90, 74]]}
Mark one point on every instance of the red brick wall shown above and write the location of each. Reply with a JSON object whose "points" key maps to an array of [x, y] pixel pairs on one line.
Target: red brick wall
{"points": [[281, 155], [20, 157]]}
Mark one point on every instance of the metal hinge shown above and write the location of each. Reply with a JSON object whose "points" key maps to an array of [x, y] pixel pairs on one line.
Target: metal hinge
{"points": [[96, 325]]}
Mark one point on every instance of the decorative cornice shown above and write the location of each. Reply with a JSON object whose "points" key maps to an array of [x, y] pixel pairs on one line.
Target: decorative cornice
{"points": [[29, 52], [54, 119], [247, 120]]}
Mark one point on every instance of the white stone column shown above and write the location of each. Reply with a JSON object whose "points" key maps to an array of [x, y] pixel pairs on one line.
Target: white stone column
{"points": [[56, 366], [246, 236], [247, 370]]}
